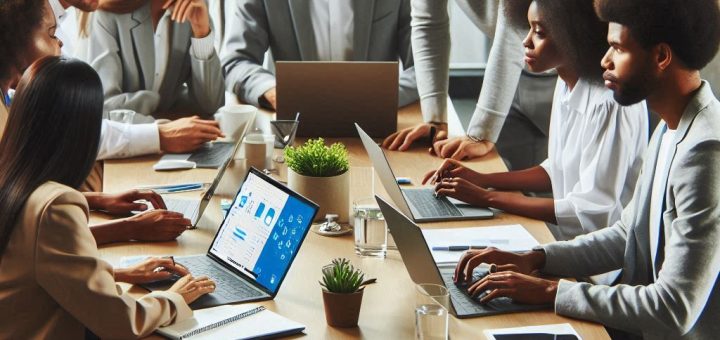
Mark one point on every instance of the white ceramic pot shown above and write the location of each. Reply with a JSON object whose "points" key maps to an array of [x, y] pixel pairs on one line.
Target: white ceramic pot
{"points": [[332, 194]]}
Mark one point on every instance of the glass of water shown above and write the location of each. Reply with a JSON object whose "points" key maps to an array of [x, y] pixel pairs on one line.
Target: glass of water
{"points": [[431, 312], [370, 228]]}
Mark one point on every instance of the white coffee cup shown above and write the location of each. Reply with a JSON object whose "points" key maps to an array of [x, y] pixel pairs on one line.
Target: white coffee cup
{"points": [[258, 149], [234, 119]]}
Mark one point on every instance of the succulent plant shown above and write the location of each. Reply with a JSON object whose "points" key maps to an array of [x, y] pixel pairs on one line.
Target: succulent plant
{"points": [[341, 277]]}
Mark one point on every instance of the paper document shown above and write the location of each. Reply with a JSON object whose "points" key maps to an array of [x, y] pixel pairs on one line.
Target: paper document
{"points": [[533, 332], [509, 237]]}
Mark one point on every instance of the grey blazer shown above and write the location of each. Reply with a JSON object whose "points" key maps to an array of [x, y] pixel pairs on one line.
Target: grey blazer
{"points": [[121, 50], [684, 301], [382, 33]]}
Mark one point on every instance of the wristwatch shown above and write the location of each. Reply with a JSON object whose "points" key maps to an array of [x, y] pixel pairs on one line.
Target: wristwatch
{"points": [[473, 138]]}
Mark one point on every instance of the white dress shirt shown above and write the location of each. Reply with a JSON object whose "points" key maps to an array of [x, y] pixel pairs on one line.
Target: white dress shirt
{"points": [[595, 153], [333, 28], [117, 140], [657, 196]]}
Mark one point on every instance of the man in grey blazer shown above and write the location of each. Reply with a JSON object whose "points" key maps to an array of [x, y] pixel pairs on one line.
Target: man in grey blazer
{"points": [[314, 30], [667, 240], [158, 61]]}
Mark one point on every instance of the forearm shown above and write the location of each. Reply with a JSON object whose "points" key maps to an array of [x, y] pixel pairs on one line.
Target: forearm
{"points": [[532, 179], [95, 200], [519, 204], [112, 231]]}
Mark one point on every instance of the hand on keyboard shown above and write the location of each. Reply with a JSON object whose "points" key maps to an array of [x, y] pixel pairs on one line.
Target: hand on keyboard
{"points": [[478, 273]]}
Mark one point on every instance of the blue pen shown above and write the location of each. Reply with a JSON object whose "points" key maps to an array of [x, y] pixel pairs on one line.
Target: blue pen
{"points": [[183, 188]]}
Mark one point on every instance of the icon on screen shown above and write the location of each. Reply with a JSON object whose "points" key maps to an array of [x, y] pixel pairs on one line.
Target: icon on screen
{"points": [[299, 219], [260, 209], [269, 216]]}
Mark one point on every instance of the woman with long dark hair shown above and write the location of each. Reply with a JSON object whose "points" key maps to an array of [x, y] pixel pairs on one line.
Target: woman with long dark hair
{"points": [[52, 281]]}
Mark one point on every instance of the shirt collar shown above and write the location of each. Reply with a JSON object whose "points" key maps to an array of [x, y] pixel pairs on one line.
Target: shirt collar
{"points": [[58, 10], [577, 98]]}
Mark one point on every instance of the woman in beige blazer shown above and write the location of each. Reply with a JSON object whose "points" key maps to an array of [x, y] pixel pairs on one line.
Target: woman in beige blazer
{"points": [[52, 282]]}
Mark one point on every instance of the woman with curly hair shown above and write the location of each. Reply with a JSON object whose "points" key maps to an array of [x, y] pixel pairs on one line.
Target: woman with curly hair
{"points": [[595, 144]]}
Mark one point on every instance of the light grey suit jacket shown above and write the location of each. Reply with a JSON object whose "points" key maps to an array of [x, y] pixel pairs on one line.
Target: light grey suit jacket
{"points": [[382, 33], [684, 301], [122, 51]]}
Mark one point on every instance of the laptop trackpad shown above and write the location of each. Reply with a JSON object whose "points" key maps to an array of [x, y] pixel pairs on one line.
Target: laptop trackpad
{"points": [[470, 210]]}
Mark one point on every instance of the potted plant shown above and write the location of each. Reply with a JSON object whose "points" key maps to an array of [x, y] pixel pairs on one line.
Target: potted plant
{"points": [[320, 173], [343, 288]]}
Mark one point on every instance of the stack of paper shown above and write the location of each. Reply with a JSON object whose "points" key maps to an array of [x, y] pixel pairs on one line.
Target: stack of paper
{"points": [[557, 331], [509, 237]]}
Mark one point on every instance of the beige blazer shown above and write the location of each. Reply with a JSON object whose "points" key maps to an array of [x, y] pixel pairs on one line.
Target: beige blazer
{"points": [[53, 283]]}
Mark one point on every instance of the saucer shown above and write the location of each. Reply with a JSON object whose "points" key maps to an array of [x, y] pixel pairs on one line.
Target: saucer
{"points": [[344, 229]]}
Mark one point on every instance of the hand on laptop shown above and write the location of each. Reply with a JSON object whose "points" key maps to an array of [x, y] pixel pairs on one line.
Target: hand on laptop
{"points": [[460, 148], [192, 288], [451, 168], [187, 134], [525, 263], [126, 202], [157, 225], [521, 288], [150, 270], [401, 140]]}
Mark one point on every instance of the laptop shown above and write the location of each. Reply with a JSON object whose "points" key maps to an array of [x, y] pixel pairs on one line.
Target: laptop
{"points": [[422, 269], [254, 246], [331, 96], [419, 203]]}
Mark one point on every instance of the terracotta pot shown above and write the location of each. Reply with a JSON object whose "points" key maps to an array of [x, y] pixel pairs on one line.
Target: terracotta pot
{"points": [[332, 194], [342, 310]]}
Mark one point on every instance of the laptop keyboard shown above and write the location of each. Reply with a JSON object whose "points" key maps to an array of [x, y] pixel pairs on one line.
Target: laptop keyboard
{"points": [[212, 155], [228, 286], [425, 202], [188, 207]]}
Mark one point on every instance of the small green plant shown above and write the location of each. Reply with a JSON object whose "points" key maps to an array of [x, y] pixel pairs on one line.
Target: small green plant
{"points": [[341, 277], [316, 159]]}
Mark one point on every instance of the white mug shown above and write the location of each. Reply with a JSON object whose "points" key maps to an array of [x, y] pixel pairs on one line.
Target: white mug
{"points": [[234, 119]]}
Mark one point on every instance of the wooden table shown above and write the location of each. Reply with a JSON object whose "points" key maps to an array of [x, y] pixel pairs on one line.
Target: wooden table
{"points": [[387, 310]]}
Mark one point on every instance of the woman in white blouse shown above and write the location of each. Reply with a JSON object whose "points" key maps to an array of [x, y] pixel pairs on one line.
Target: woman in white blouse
{"points": [[596, 145]]}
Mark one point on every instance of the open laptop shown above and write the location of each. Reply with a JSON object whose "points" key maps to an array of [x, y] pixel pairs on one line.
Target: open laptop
{"points": [[422, 269], [331, 96], [254, 246], [419, 203]]}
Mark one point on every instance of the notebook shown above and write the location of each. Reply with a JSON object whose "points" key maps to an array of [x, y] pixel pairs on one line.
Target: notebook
{"points": [[563, 331], [248, 321]]}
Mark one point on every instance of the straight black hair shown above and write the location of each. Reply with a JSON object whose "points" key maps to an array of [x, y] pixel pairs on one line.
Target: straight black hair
{"points": [[52, 133]]}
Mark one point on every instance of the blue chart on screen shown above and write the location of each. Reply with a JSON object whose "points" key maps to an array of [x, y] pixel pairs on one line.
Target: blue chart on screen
{"points": [[262, 231]]}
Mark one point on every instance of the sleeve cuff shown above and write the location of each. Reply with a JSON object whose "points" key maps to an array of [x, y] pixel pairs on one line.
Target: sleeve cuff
{"points": [[203, 48], [144, 139], [434, 108], [181, 307], [486, 124], [571, 300], [565, 213], [259, 90]]}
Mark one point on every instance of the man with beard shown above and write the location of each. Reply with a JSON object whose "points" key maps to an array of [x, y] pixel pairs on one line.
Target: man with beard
{"points": [[666, 241]]}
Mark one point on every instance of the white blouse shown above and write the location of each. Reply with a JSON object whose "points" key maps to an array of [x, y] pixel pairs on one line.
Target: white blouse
{"points": [[595, 153]]}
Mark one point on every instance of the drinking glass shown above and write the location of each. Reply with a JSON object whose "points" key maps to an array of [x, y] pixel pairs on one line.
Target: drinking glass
{"points": [[370, 228], [431, 312]]}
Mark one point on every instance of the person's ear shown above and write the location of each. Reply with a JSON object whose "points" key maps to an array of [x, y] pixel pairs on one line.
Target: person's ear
{"points": [[663, 56]]}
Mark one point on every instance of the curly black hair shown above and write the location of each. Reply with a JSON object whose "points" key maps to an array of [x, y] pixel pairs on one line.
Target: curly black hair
{"points": [[690, 28], [579, 34], [18, 21]]}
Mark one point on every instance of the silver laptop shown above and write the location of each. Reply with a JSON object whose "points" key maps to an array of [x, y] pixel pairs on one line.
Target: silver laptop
{"points": [[331, 96], [255, 244], [419, 203], [422, 269]]}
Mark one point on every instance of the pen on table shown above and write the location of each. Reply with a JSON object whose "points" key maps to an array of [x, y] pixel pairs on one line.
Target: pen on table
{"points": [[457, 248], [174, 187]]}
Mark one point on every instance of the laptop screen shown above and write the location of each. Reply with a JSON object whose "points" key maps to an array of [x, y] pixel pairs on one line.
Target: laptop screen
{"points": [[263, 230]]}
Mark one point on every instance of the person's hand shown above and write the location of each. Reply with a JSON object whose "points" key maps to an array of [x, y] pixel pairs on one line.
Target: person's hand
{"points": [[525, 263], [195, 11], [464, 190], [187, 134], [271, 97], [461, 148], [152, 269], [157, 225], [451, 168], [192, 288], [401, 140], [124, 203], [521, 288]]}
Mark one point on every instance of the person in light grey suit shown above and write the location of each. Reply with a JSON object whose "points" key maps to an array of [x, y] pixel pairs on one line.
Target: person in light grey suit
{"points": [[154, 63], [666, 243], [291, 30]]}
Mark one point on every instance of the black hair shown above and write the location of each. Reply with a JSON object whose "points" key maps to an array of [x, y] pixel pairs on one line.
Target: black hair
{"points": [[690, 28], [18, 21], [52, 133], [579, 34]]}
